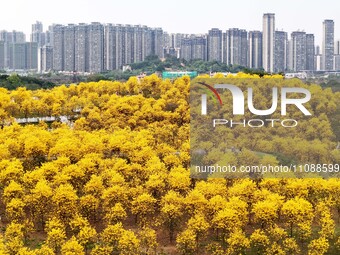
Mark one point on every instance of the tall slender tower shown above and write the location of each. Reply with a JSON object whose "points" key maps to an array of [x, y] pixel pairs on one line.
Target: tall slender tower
{"points": [[157, 42], [215, 45], [310, 51], [69, 47], [81, 61], [96, 47], [280, 51], [268, 41], [58, 47], [298, 53], [255, 49], [328, 45]]}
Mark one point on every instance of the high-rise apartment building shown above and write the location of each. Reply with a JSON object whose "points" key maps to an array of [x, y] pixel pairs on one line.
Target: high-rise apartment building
{"points": [[31, 55], [176, 40], [58, 47], [148, 42], [81, 43], [23, 56], [166, 40], [38, 34], [328, 45], [186, 48], [69, 48], [194, 47], [255, 49], [17, 56], [214, 44], [298, 51], [113, 54], [46, 58], [235, 47], [157, 42], [96, 47], [138, 43], [310, 52], [128, 44], [268, 41], [280, 51], [199, 47]]}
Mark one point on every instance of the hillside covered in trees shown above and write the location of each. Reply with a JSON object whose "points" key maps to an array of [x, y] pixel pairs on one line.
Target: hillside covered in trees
{"points": [[115, 179]]}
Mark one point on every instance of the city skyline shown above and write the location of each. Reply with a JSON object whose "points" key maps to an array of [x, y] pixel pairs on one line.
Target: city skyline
{"points": [[97, 47], [175, 16]]}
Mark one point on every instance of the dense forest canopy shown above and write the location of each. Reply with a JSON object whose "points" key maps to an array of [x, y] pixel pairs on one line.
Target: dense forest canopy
{"points": [[114, 178]]}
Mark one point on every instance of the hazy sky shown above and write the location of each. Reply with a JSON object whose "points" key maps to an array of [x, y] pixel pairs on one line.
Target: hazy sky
{"points": [[183, 16]]}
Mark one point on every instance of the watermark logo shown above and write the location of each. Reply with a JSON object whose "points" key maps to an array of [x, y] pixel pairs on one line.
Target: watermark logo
{"points": [[259, 128], [239, 99]]}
